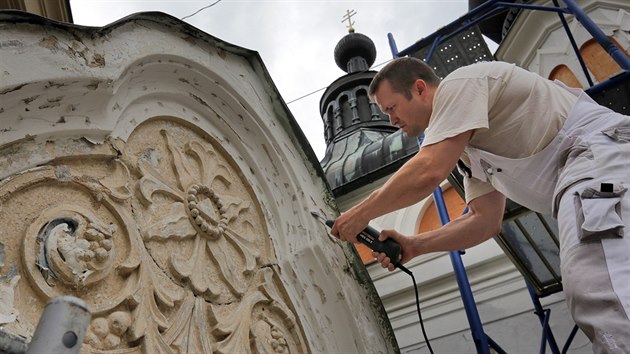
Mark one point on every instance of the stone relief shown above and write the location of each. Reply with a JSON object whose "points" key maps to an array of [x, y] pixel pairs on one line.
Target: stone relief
{"points": [[166, 242]]}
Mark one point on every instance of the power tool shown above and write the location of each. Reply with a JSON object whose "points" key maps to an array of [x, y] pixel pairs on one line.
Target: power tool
{"points": [[369, 237]]}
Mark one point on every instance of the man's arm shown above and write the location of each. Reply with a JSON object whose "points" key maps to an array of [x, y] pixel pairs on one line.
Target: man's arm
{"points": [[481, 222], [414, 181]]}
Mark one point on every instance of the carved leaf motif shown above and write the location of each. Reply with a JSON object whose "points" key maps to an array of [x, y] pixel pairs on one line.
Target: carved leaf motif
{"points": [[247, 249], [266, 282], [192, 268], [152, 284], [204, 201], [236, 327], [229, 269], [234, 206], [119, 191], [154, 343], [189, 333], [184, 176], [133, 260], [175, 224], [211, 167], [268, 339], [151, 183]]}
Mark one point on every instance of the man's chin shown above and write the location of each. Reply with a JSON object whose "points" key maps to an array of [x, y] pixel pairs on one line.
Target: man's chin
{"points": [[412, 133]]}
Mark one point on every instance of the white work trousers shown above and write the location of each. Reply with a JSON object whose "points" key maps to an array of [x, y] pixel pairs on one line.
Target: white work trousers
{"points": [[594, 226], [582, 177]]}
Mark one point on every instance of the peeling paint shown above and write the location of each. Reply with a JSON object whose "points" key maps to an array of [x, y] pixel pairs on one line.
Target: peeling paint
{"points": [[98, 60], [11, 43], [8, 313], [51, 103], [28, 100], [92, 85], [320, 292], [200, 100], [152, 156], [16, 88], [49, 42], [62, 173], [8, 283], [54, 84]]}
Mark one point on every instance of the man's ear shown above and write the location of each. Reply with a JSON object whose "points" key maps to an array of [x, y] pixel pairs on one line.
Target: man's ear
{"points": [[419, 86]]}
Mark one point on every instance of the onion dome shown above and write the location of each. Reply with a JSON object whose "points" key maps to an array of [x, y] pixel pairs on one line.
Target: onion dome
{"points": [[355, 52]]}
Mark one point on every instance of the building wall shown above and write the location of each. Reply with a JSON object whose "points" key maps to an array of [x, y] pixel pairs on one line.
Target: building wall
{"points": [[153, 171]]}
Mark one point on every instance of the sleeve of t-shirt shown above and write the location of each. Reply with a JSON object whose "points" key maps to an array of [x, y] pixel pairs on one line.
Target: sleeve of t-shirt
{"points": [[459, 105]]}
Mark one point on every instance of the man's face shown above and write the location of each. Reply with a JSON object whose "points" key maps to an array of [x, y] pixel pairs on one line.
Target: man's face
{"points": [[410, 115]]}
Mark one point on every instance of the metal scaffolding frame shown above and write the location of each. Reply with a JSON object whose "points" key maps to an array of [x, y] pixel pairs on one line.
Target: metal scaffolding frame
{"points": [[490, 8]]}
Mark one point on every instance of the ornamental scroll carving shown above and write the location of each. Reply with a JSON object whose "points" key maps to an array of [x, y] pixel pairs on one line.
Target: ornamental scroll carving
{"points": [[166, 242]]}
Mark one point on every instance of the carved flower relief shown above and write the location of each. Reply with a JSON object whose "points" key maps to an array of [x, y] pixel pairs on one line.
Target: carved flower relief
{"points": [[196, 223], [201, 206]]}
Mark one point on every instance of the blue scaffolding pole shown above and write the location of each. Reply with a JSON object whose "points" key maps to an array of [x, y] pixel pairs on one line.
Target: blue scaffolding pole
{"points": [[481, 339], [486, 10]]}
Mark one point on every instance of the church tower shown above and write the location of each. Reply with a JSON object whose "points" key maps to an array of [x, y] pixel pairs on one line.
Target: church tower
{"points": [[361, 144]]}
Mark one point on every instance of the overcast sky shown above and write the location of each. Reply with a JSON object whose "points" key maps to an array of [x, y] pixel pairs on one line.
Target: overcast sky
{"points": [[295, 38]]}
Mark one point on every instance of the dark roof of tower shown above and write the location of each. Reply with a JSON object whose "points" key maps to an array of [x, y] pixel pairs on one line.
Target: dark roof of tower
{"points": [[361, 145], [354, 45]]}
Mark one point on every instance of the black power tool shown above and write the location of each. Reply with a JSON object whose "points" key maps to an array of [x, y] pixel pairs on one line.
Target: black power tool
{"points": [[369, 237]]}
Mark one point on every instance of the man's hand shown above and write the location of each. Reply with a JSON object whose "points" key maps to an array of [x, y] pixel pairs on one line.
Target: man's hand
{"points": [[481, 222], [349, 224], [407, 245]]}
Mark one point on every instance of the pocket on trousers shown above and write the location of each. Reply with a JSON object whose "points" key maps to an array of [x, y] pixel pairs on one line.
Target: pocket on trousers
{"points": [[599, 213], [619, 134]]}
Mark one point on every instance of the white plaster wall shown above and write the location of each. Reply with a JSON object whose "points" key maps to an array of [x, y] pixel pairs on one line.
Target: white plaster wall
{"points": [[97, 86]]}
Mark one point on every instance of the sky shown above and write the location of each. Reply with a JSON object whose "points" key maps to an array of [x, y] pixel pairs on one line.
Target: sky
{"points": [[295, 38]]}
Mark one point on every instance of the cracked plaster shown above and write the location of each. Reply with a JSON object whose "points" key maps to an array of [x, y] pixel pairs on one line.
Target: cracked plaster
{"points": [[155, 172]]}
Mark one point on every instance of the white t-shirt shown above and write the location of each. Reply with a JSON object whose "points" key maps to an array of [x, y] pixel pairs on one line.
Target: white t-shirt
{"points": [[514, 113]]}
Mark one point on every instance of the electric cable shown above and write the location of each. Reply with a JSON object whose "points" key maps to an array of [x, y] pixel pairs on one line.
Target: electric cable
{"points": [[323, 88], [201, 9], [415, 287]]}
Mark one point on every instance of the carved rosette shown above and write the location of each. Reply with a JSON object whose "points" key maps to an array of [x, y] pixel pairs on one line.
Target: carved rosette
{"points": [[167, 244]]}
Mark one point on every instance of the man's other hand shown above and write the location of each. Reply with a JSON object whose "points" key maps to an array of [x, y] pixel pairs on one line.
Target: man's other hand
{"points": [[406, 243]]}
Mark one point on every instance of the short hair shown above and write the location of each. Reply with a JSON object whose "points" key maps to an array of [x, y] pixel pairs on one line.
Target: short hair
{"points": [[401, 74]]}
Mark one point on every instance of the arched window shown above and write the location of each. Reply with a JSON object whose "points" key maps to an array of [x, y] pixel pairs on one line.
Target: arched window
{"points": [[599, 63], [430, 220], [564, 74]]}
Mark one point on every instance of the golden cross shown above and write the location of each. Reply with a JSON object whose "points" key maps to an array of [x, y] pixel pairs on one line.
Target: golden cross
{"points": [[348, 17]]}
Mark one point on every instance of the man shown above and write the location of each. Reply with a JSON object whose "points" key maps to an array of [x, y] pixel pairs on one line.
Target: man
{"points": [[543, 145]]}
